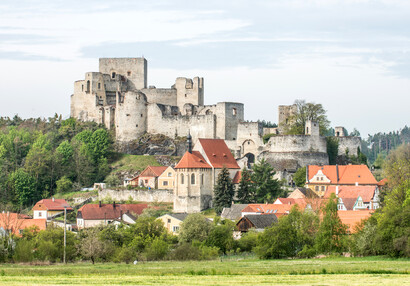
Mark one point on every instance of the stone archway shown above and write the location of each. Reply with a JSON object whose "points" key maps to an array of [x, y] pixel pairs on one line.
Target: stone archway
{"points": [[251, 158]]}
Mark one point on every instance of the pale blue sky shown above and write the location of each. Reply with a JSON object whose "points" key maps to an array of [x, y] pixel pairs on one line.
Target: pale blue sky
{"points": [[352, 56]]}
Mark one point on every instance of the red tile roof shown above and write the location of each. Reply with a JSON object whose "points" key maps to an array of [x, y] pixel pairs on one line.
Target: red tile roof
{"points": [[153, 171], [348, 174], [237, 177], [218, 153], [382, 182], [352, 192], [17, 222], [52, 205], [277, 209], [192, 160], [352, 218], [108, 211]]}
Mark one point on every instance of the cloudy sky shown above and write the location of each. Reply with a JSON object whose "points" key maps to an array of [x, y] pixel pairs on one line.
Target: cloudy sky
{"points": [[352, 56]]}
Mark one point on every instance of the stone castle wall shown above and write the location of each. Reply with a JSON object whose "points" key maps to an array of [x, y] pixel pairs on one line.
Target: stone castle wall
{"points": [[351, 143], [165, 196], [296, 143]]}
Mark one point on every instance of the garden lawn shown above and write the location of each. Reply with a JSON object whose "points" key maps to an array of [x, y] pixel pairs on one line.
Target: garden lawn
{"points": [[328, 271]]}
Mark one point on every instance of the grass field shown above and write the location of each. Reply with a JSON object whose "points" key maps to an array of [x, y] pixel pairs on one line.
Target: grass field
{"points": [[328, 271]]}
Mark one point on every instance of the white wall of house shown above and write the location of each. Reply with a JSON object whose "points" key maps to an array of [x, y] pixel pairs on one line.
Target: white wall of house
{"points": [[39, 214]]}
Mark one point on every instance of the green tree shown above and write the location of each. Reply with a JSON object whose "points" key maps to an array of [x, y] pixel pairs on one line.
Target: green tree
{"points": [[223, 192], [300, 177], [221, 236], [194, 227], [23, 186], [307, 111], [266, 187], [246, 191], [332, 234], [64, 185], [397, 166], [332, 148]]}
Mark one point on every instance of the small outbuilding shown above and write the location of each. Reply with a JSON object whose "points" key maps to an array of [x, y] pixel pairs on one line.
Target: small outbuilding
{"points": [[258, 222]]}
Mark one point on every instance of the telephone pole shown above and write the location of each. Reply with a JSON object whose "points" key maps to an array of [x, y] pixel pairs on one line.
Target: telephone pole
{"points": [[65, 231]]}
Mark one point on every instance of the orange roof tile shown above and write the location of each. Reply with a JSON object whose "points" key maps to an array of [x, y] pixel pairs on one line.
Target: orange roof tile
{"points": [[52, 205], [17, 222], [108, 211], [348, 174], [268, 208], [382, 182], [192, 160], [352, 192], [352, 218], [237, 177], [218, 153]]}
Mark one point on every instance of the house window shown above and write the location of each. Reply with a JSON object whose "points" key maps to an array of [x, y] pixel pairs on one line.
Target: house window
{"points": [[169, 220], [323, 188], [317, 188], [146, 181], [169, 174], [175, 228], [165, 183], [192, 179], [113, 75], [182, 179], [40, 214]]}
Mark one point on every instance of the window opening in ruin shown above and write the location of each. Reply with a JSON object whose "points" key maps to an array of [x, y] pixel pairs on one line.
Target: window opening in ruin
{"points": [[113, 75], [136, 125], [307, 130], [88, 86], [142, 115], [192, 179], [202, 179], [82, 87], [128, 73], [99, 85], [234, 111], [182, 179], [185, 95]]}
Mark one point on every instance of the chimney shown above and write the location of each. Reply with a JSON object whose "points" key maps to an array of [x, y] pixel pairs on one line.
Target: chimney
{"points": [[357, 183], [307, 173], [53, 199], [189, 141], [99, 203], [337, 191], [337, 173]]}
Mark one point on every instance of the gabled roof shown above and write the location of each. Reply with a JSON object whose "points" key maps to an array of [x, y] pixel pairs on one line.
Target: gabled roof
{"points": [[307, 192], [16, 222], [153, 171], [237, 178], [382, 182], [52, 205], [179, 216], [218, 153], [233, 212], [268, 208], [366, 192], [108, 211], [352, 218], [348, 174], [261, 221], [192, 160]]}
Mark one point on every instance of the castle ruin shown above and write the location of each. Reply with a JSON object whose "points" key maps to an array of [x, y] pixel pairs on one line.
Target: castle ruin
{"points": [[118, 97]]}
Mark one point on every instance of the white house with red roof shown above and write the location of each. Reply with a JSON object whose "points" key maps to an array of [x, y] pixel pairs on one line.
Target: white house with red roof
{"points": [[197, 172], [149, 177], [91, 215], [47, 208]]}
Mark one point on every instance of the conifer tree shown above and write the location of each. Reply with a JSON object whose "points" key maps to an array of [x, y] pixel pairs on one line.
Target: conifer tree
{"points": [[266, 187], [246, 191], [223, 192]]}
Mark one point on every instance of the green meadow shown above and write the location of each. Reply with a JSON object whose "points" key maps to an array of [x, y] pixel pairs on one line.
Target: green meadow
{"points": [[225, 271]]}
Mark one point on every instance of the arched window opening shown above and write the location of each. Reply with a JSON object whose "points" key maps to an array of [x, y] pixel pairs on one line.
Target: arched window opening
{"points": [[88, 86], [192, 179], [113, 74]]}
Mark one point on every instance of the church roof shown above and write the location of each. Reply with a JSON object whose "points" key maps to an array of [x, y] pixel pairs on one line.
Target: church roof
{"points": [[218, 153], [348, 174], [192, 160]]}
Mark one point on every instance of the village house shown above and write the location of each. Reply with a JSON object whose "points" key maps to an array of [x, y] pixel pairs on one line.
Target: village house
{"points": [[353, 218], [319, 178], [262, 209], [302, 193], [173, 221], [256, 222], [197, 172], [48, 208], [166, 181], [91, 215], [149, 177], [14, 223], [355, 197]]}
